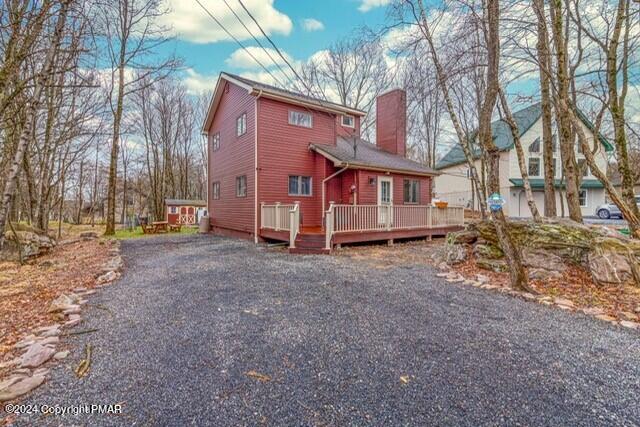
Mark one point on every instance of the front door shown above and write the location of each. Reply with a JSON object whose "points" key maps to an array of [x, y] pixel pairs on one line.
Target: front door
{"points": [[385, 200]]}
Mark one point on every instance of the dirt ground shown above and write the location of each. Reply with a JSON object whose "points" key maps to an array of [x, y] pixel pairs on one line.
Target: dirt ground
{"points": [[26, 291], [576, 285]]}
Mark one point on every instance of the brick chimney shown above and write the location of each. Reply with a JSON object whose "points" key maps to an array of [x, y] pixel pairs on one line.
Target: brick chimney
{"points": [[391, 122]]}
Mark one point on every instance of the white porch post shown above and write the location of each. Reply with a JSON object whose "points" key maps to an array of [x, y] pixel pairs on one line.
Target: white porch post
{"points": [[388, 216], [261, 214], [329, 226], [277, 209]]}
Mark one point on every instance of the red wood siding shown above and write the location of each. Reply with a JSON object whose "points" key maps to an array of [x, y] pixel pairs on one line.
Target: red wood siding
{"points": [[368, 193], [234, 158], [347, 131], [283, 150]]}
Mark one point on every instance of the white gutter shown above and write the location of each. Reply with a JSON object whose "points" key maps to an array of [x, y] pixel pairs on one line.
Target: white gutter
{"points": [[324, 181], [255, 177]]}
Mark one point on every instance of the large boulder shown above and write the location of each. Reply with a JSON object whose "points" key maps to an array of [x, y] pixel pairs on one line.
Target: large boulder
{"points": [[548, 248], [32, 243], [613, 268]]}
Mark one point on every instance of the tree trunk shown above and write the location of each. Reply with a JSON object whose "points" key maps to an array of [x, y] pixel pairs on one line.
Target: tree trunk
{"points": [[632, 218], [616, 107], [442, 82], [567, 144], [80, 187], [515, 133], [543, 52], [517, 272], [32, 109], [113, 164]]}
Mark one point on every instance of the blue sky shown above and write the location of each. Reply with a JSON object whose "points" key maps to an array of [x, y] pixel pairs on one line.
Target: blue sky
{"points": [[207, 50]]}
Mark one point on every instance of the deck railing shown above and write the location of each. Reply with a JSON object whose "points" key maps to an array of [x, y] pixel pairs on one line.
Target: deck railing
{"points": [[367, 218], [276, 216]]}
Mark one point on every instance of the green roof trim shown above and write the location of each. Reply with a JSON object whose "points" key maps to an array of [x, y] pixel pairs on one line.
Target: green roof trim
{"points": [[539, 183], [503, 138]]}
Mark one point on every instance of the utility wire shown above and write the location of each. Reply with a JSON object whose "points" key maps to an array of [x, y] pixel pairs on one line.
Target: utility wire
{"points": [[275, 47], [261, 46], [238, 41]]}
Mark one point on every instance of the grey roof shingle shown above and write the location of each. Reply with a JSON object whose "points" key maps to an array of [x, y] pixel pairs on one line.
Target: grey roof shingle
{"points": [[367, 155]]}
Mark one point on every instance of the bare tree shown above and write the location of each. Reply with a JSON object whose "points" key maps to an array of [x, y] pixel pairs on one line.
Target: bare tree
{"points": [[131, 37], [39, 85]]}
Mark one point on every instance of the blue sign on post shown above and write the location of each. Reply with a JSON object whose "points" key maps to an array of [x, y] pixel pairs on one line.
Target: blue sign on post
{"points": [[495, 202]]}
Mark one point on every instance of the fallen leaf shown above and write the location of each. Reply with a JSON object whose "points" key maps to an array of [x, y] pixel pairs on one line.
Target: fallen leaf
{"points": [[258, 376], [404, 379]]}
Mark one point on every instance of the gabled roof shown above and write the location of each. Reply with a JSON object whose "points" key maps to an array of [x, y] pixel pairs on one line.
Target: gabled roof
{"points": [[368, 156], [184, 202], [264, 90], [503, 138]]}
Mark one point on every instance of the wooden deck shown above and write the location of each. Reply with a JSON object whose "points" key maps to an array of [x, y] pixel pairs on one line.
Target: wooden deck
{"points": [[357, 223]]}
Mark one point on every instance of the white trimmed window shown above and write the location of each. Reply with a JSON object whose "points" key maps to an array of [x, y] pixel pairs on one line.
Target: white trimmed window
{"points": [[411, 191], [241, 124], [215, 141], [298, 118], [534, 166], [299, 185], [582, 196], [348, 121], [241, 186], [216, 190]]}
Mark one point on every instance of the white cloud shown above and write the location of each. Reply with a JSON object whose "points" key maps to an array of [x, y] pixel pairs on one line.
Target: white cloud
{"points": [[198, 83], [242, 58], [311, 24], [190, 22], [367, 5]]}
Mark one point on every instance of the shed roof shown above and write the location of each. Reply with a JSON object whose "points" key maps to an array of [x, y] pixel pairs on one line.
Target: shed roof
{"points": [[503, 138], [368, 156], [184, 202]]}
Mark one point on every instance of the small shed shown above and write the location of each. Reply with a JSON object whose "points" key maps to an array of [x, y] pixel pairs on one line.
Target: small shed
{"points": [[183, 211]]}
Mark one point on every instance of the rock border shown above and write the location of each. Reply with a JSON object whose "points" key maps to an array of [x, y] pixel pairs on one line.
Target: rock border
{"points": [[482, 282], [40, 346]]}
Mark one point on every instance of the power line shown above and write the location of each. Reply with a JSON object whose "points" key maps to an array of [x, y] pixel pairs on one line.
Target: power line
{"points": [[260, 44], [239, 43], [275, 47]]}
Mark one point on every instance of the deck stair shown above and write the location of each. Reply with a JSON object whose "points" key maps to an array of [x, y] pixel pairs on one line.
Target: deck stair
{"points": [[309, 243]]}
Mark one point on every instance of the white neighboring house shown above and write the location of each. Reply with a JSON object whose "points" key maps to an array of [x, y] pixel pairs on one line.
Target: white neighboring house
{"points": [[454, 184]]}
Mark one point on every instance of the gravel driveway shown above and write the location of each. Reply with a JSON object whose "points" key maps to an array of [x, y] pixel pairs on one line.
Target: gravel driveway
{"points": [[211, 331]]}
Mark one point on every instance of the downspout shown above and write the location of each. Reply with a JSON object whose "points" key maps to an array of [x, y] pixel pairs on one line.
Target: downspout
{"points": [[324, 181], [255, 177]]}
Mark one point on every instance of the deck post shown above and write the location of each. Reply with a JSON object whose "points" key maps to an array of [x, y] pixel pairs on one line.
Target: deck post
{"points": [[429, 217], [390, 242], [261, 214], [329, 227], [294, 221], [388, 216], [277, 209]]}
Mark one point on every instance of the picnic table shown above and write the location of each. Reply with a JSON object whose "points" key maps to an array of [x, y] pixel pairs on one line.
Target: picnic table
{"points": [[160, 226]]}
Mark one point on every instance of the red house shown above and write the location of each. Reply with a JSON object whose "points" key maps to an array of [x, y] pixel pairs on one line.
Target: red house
{"points": [[285, 166]]}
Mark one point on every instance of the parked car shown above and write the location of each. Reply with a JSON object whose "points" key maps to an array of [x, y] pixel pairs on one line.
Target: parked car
{"points": [[610, 210]]}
